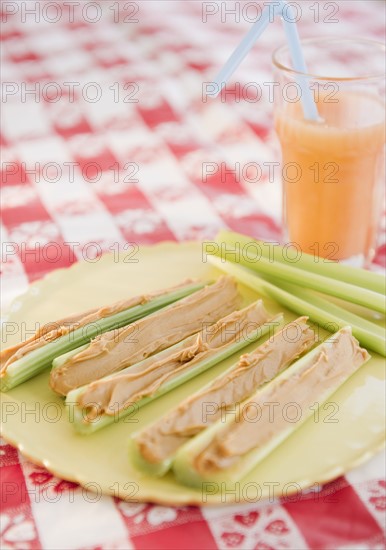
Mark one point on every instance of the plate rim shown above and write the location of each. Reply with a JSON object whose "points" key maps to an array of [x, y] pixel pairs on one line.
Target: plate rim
{"points": [[330, 475]]}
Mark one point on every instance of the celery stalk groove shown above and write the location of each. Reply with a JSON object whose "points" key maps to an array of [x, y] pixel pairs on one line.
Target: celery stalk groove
{"points": [[321, 266], [333, 287]]}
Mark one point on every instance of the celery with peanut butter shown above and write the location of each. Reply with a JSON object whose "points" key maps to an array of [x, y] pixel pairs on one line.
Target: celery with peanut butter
{"points": [[102, 402], [226, 451], [154, 447], [22, 361], [115, 350]]}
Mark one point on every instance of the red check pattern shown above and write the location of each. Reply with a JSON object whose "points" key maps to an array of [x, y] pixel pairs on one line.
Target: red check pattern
{"points": [[106, 140]]}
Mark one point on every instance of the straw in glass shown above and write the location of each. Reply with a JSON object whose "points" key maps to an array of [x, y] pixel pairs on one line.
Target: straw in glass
{"points": [[297, 57]]}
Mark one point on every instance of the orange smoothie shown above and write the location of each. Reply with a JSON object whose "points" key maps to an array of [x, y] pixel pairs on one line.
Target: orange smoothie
{"points": [[333, 174]]}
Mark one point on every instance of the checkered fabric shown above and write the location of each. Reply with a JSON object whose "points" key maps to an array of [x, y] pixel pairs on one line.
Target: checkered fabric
{"points": [[106, 139]]}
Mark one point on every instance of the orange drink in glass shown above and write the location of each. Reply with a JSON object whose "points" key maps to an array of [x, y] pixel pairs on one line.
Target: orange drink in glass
{"points": [[333, 168]]}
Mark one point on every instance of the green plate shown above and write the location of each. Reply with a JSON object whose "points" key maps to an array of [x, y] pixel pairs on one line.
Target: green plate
{"points": [[348, 432]]}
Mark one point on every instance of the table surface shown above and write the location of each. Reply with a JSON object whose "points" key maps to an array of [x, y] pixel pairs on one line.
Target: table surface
{"points": [[105, 136]]}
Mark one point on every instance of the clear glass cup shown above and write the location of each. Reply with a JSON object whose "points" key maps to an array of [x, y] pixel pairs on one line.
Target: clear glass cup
{"points": [[333, 169]]}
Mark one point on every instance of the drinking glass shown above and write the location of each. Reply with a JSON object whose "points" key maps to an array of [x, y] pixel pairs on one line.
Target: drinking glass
{"points": [[333, 167]]}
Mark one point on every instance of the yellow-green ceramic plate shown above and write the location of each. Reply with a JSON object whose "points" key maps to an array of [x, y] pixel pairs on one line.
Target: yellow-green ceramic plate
{"points": [[345, 435]]}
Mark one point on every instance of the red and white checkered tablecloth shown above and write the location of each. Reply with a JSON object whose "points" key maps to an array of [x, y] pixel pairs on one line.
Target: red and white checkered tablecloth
{"points": [[106, 139]]}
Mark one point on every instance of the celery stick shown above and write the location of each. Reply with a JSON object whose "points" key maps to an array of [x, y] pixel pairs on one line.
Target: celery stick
{"points": [[321, 266], [76, 413], [37, 360], [184, 465], [347, 316], [346, 291], [279, 362], [340, 289], [61, 359], [328, 315]]}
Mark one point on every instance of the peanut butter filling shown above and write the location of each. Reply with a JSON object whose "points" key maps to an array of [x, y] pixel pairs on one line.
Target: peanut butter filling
{"points": [[114, 350], [111, 395], [53, 330], [162, 439], [334, 364]]}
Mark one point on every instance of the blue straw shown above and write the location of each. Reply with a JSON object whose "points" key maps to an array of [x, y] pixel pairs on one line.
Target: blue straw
{"points": [[244, 47], [291, 30], [309, 108]]}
